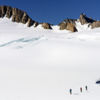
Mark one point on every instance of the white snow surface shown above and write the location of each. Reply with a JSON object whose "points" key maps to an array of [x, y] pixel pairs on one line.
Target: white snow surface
{"points": [[39, 64]]}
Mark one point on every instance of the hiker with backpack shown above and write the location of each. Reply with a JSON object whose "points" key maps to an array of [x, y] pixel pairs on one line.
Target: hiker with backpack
{"points": [[86, 88]]}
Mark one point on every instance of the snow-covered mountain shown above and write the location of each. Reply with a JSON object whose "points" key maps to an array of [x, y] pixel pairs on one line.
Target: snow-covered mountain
{"points": [[44, 64]]}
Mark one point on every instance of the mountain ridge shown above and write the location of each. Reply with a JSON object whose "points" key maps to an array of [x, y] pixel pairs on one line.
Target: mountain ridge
{"points": [[21, 16]]}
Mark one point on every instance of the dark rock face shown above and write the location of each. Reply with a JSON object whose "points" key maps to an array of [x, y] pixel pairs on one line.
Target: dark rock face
{"points": [[95, 24], [46, 26], [70, 21], [36, 24], [68, 24], [24, 18], [17, 15], [9, 12], [30, 22], [84, 19], [3, 10]]}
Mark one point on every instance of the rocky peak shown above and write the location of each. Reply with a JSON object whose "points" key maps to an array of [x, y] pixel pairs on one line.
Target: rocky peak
{"points": [[68, 24], [84, 19]]}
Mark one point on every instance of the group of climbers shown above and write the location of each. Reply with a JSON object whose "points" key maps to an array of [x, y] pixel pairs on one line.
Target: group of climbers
{"points": [[81, 90]]}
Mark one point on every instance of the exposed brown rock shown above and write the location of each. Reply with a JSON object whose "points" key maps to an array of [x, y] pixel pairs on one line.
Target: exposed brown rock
{"points": [[84, 19], [71, 27], [63, 26], [46, 26], [70, 21], [24, 18], [17, 15], [9, 12], [95, 24], [30, 22], [68, 24], [3, 10]]}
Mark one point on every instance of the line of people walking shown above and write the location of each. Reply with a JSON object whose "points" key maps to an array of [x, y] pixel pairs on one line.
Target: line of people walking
{"points": [[81, 89]]}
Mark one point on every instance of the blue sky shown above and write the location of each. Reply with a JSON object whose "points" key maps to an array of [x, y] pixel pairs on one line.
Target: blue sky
{"points": [[54, 11]]}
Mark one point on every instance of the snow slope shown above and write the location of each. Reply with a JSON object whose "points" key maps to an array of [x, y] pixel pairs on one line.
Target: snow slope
{"points": [[38, 64]]}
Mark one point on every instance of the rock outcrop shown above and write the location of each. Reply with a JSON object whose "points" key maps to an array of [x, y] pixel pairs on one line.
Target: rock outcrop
{"points": [[95, 24], [24, 18], [17, 15], [3, 10], [36, 24], [63, 26], [9, 12], [46, 26], [20, 16], [30, 22], [85, 20], [70, 21], [68, 24], [71, 27]]}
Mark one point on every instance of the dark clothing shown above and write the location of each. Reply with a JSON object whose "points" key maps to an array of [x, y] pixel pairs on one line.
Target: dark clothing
{"points": [[86, 88], [70, 91]]}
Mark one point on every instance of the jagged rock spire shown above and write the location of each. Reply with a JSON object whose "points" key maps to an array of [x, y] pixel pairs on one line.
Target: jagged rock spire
{"points": [[84, 19]]}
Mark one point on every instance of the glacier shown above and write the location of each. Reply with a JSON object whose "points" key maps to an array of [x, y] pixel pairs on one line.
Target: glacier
{"points": [[39, 64]]}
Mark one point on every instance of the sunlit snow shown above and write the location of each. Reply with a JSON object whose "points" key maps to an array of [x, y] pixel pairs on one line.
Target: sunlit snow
{"points": [[39, 64]]}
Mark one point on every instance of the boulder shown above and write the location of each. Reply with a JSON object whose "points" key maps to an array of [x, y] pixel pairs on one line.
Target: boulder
{"points": [[95, 24], [46, 26], [9, 12], [84, 19], [30, 22], [3, 10]]}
